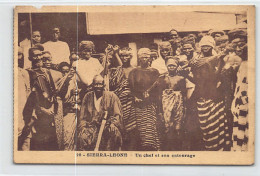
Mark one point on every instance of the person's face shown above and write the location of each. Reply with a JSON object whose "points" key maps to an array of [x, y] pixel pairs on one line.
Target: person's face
{"points": [[98, 85], [173, 35], [125, 58], [56, 34], [65, 70], [46, 59], [187, 49], [37, 58], [86, 53], [36, 37], [165, 52], [206, 48], [144, 61], [172, 68]]}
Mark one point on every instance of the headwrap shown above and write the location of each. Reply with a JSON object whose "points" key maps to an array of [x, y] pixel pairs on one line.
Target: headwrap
{"points": [[207, 41], [144, 52], [172, 60], [165, 44], [126, 51], [86, 45]]}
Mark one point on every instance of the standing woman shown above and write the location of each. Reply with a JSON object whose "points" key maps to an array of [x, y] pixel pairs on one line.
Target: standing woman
{"points": [[210, 101], [141, 79], [118, 83], [172, 94]]}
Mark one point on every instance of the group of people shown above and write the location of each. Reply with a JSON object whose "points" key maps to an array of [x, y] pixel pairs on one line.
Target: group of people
{"points": [[186, 93]]}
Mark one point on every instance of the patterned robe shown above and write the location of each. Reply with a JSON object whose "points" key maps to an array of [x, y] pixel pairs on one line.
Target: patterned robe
{"points": [[90, 121], [240, 110], [210, 105], [171, 91], [118, 83]]}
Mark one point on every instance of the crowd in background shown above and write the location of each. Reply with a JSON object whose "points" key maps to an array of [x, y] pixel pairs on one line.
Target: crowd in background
{"points": [[185, 93]]}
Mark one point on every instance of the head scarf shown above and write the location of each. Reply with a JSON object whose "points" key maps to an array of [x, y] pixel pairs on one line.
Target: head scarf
{"points": [[86, 45], [144, 52], [207, 41]]}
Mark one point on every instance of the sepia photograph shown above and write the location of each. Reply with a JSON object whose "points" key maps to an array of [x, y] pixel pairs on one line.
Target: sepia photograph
{"points": [[134, 84]]}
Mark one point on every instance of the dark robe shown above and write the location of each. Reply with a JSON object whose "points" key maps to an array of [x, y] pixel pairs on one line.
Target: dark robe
{"points": [[45, 108]]}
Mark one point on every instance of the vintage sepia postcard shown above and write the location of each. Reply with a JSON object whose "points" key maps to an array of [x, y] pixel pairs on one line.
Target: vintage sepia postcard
{"points": [[134, 85]]}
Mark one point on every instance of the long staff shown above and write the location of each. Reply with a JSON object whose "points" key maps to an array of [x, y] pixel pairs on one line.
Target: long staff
{"points": [[30, 20], [100, 133]]}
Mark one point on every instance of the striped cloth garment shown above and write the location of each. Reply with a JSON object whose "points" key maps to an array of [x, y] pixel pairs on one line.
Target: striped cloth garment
{"points": [[214, 124], [120, 85], [240, 111], [146, 122]]}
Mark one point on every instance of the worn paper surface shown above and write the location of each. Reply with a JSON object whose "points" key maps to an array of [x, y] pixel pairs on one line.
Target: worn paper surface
{"points": [[137, 27]]}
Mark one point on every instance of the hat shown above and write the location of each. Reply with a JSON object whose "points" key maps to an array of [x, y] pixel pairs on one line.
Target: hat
{"points": [[207, 41], [144, 52], [86, 45]]}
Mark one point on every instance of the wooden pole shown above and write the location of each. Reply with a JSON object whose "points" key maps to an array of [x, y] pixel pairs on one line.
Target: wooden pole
{"points": [[30, 21]]}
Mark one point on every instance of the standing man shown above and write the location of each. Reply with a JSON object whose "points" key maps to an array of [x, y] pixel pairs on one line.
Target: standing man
{"points": [[59, 50], [95, 104], [43, 109]]}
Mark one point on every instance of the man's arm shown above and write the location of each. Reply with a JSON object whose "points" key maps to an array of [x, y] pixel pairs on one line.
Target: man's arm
{"points": [[83, 113]]}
